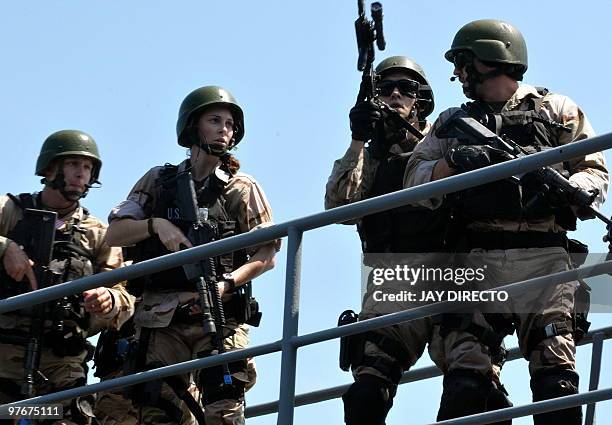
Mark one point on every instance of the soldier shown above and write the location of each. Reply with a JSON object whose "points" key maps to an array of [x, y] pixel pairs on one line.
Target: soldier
{"points": [[69, 164], [380, 357], [516, 237], [168, 320]]}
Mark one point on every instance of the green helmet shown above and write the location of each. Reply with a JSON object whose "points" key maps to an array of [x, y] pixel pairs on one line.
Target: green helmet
{"points": [[67, 143], [491, 40], [204, 97], [403, 63]]}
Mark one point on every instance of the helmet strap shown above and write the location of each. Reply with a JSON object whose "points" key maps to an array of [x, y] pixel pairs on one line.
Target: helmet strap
{"points": [[193, 138], [59, 183], [475, 77]]}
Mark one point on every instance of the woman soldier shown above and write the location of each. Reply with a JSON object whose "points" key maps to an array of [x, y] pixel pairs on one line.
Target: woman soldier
{"points": [[169, 318]]}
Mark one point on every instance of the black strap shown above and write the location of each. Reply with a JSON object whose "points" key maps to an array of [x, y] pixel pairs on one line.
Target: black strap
{"points": [[23, 200], [513, 240], [391, 369], [181, 390], [485, 334], [536, 336]]}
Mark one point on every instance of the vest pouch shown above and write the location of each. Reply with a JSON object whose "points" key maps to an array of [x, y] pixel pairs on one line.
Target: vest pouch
{"points": [[68, 341], [484, 202], [243, 306], [523, 128]]}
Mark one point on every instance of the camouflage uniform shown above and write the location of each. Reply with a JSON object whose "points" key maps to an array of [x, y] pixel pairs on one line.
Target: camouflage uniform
{"points": [[350, 181], [171, 342], [532, 311], [65, 371]]}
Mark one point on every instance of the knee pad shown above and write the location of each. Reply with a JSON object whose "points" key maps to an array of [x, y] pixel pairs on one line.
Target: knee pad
{"points": [[465, 393], [368, 401], [552, 384]]}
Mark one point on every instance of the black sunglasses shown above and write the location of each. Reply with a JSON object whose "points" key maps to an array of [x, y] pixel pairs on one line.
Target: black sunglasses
{"points": [[462, 58], [405, 87]]}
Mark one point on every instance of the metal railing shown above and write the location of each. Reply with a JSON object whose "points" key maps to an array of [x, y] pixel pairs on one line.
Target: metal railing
{"points": [[291, 341]]}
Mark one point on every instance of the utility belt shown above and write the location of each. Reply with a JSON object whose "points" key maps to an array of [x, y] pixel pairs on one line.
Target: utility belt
{"points": [[68, 341], [242, 307], [513, 240]]}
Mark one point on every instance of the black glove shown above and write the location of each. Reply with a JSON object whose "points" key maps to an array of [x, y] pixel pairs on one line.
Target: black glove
{"points": [[364, 117], [471, 157]]}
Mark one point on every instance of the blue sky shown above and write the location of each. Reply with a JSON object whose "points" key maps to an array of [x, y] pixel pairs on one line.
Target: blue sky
{"points": [[119, 71]]}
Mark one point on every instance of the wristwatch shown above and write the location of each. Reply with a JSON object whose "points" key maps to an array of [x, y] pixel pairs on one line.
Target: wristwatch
{"points": [[227, 277]]}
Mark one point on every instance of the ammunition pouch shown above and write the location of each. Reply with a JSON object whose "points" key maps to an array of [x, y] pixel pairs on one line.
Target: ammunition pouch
{"points": [[113, 349], [71, 341], [212, 386], [401, 229], [135, 362], [242, 307]]}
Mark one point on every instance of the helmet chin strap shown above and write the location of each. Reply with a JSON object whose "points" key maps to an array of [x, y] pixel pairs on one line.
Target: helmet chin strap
{"points": [[211, 149], [59, 183], [475, 77]]}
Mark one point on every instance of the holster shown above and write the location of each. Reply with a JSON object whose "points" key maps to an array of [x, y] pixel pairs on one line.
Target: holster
{"points": [[351, 343]]}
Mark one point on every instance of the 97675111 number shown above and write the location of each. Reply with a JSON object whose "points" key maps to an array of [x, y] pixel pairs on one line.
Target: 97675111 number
{"points": [[39, 411]]}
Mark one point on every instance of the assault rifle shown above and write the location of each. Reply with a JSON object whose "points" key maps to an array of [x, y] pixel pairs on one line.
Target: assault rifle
{"points": [[203, 273], [471, 132], [367, 33], [39, 247]]}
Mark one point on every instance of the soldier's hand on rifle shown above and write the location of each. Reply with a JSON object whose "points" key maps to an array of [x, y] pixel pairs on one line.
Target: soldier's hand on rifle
{"points": [[98, 300], [364, 117], [471, 157], [171, 236], [18, 265]]}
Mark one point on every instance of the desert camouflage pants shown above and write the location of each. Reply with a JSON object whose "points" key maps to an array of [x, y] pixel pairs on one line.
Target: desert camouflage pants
{"points": [[532, 309], [181, 342], [411, 336], [61, 372], [112, 408]]}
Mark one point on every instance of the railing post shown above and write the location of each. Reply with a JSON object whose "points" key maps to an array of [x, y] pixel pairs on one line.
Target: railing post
{"points": [[596, 354], [286, 398]]}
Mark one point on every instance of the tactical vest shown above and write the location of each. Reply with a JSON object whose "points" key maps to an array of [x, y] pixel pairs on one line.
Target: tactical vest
{"points": [[165, 205], [403, 229], [529, 200], [70, 259]]}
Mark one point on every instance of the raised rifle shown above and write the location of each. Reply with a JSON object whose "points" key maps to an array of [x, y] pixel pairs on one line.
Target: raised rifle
{"points": [[367, 32], [470, 131], [203, 273]]}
